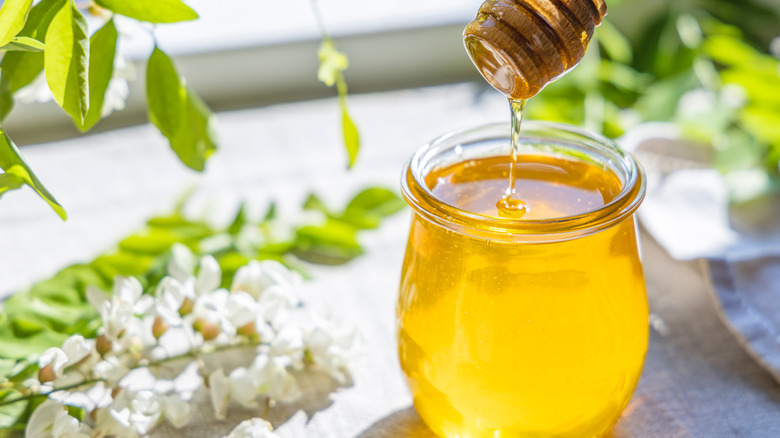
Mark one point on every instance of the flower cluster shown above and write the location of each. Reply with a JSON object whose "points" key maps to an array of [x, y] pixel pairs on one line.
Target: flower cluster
{"points": [[114, 380]]}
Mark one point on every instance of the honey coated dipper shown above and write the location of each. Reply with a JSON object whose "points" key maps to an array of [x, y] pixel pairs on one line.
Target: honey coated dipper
{"points": [[520, 46]]}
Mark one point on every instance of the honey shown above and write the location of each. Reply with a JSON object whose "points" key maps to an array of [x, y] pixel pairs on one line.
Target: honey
{"points": [[521, 327], [552, 187]]}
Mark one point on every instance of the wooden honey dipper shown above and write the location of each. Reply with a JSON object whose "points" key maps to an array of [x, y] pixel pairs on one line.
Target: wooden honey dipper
{"points": [[520, 46]]}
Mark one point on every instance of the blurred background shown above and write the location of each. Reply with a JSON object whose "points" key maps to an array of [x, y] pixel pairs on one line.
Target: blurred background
{"points": [[707, 66], [692, 87]]}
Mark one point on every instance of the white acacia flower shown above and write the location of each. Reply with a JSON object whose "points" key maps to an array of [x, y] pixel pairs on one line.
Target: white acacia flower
{"points": [[228, 311], [287, 347], [142, 410], [258, 276], [331, 348], [118, 310], [112, 369], [97, 396], [170, 295], [74, 349], [254, 428], [209, 276], [243, 387], [219, 388], [332, 62], [118, 86], [181, 266], [273, 379], [240, 386], [51, 420], [275, 304], [177, 410], [109, 426]]}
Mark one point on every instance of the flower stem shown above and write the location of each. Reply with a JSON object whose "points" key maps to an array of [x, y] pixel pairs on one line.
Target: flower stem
{"points": [[195, 354], [40, 394]]}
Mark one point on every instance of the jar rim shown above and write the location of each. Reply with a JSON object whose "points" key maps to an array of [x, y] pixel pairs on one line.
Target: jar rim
{"points": [[422, 199]]}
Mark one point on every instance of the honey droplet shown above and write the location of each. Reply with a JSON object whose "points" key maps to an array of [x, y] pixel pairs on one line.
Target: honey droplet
{"points": [[511, 208]]}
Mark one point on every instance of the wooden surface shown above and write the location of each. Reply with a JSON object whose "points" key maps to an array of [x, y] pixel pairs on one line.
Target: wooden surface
{"points": [[697, 381]]}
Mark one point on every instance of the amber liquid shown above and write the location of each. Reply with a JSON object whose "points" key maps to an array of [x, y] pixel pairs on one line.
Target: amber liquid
{"points": [[499, 338]]}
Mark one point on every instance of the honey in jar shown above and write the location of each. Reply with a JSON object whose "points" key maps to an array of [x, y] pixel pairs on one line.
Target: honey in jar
{"points": [[524, 327]]}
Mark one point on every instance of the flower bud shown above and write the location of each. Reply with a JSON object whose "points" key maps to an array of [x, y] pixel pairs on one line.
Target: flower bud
{"points": [[103, 345], [159, 327], [247, 329], [186, 306], [209, 331], [197, 325], [47, 374]]}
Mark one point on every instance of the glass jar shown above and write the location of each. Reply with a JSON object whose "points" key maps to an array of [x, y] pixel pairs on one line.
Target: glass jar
{"points": [[522, 327]]}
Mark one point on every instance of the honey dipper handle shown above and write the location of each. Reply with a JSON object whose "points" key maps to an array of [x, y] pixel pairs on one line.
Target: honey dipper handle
{"points": [[519, 46]]}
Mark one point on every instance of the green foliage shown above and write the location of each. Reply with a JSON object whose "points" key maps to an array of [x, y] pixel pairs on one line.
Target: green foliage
{"points": [[51, 310], [52, 38], [66, 61], [164, 93], [350, 132], [20, 68], [102, 49], [331, 72], [9, 414], [13, 164], [681, 54], [179, 114], [12, 16], [9, 181], [153, 11], [23, 44], [196, 139]]}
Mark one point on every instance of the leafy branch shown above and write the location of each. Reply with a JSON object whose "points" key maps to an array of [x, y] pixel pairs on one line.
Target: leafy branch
{"points": [[61, 307], [331, 71], [52, 38]]}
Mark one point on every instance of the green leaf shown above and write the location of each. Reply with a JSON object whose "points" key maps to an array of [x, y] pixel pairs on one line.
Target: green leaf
{"points": [[154, 241], [313, 202], [270, 214], [21, 68], [102, 48], [11, 413], [333, 242], [24, 44], [9, 181], [351, 136], [377, 200], [659, 101], [12, 162], [23, 370], [76, 412], [12, 17], [122, 263], [165, 94], [14, 347], [179, 113], [239, 221], [153, 11], [368, 207], [196, 139], [762, 123], [614, 43], [66, 61]]}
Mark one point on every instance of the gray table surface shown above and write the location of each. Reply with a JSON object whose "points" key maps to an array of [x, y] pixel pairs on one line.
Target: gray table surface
{"points": [[697, 380]]}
